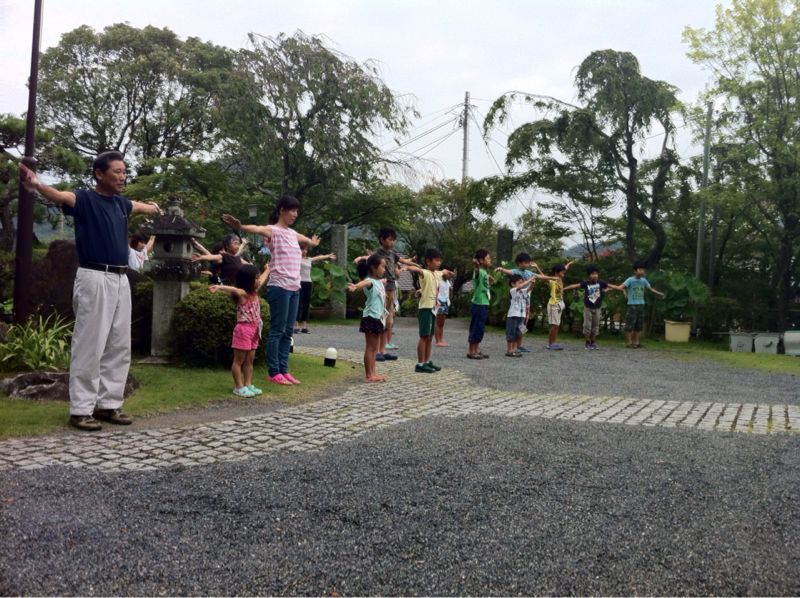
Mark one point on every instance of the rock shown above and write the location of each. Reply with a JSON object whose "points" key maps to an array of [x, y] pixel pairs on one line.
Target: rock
{"points": [[48, 386]]}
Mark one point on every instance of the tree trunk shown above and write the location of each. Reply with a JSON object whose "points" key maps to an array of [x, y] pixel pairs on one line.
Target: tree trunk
{"points": [[8, 232]]}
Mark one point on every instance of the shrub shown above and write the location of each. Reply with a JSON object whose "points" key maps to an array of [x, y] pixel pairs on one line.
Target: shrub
{"points": [[202, 325], [141, 315], [39, 344], [330, 284]]}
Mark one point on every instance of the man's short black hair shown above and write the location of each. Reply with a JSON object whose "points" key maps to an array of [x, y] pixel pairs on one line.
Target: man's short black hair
{"points": [[591, 269], [432, 253], [523, 257], [103, 161], [387, 233], [514, 279], [639, 264]]}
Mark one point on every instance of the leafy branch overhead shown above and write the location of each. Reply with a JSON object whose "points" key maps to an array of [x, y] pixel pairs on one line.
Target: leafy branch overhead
{"points": [[587, 154]]}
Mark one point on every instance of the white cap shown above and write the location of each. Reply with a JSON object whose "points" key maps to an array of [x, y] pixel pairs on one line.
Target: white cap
{"points": [[330, 353]]}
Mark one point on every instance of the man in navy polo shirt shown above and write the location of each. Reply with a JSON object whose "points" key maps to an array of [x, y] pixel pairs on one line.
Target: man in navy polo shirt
{"points": [[101, 297]]}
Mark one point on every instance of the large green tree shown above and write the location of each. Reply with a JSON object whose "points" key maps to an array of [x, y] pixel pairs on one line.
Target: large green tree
{"points": [[304, 117], [753, 54], [52, 159], [144, 92], [588, 155]]}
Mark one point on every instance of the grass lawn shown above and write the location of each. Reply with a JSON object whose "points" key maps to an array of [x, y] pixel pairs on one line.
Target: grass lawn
{"points": [[167, 388]]}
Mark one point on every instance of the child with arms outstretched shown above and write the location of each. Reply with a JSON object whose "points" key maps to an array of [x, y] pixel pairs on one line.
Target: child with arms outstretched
{"points": [[247, 332], [371, 271]]}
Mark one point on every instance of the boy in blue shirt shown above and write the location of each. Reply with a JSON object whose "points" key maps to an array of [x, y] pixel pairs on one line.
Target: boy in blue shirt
{"points": [[634, 288]]}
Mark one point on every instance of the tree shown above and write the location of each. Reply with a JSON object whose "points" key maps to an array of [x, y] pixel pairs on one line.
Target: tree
{"points": [[587, 155], [305, 117], [52, 159], [143, 92], [753, 55]]}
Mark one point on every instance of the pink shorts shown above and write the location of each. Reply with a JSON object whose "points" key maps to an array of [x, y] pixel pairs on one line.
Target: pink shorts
{"points": [[245, 336]]}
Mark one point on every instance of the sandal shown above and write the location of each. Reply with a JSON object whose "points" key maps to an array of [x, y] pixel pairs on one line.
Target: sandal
{"points": [[244, 392], [279, 379]]}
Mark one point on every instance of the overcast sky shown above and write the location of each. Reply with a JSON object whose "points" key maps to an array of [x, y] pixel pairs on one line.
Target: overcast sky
{"points": [[434, 50]]}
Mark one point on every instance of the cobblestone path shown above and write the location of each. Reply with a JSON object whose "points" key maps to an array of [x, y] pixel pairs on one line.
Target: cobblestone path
{"points": [[366, 407]]}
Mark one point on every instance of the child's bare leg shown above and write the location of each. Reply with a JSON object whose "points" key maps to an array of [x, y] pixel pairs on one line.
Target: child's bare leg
{"points": [[474, 348], [371, 347], [553, 336], [236, 367], [439, 329], [247, 369], [427, 349], [421, 350], [636, 335]]}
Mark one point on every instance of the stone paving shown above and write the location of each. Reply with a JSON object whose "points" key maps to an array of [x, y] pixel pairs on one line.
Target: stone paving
{"points": [[366, 407]]}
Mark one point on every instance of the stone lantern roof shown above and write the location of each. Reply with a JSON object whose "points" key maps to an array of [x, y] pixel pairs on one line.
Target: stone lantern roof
{"points": [[173, 223]]}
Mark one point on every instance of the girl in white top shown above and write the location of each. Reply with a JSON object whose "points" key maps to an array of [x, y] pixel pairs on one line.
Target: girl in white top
{"points": [[441, 309], [138, 251], [306, 287]]}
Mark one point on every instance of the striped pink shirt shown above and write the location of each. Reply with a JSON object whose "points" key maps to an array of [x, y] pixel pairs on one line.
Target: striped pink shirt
{"points": [[284, 268]]}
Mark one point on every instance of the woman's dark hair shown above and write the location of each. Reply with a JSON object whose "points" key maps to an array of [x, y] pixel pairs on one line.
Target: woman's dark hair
{"points": [[481, 253], [367, 266], [104, 160], [136, 238], [227, 240], [246, 279], [287, 202]]}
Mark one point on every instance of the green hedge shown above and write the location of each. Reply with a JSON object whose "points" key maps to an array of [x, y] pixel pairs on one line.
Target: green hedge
{"points": [[202, 326]]}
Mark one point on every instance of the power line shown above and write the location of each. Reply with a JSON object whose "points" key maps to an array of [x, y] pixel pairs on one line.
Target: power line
{"points": [[421, 135]]}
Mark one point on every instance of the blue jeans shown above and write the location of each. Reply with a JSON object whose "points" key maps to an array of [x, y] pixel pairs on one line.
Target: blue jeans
{"points": [[477, 325], [282, 315]]}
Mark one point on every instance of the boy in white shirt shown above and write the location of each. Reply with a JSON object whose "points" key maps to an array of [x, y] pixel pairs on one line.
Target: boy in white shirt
{"points": [[517, 313]]}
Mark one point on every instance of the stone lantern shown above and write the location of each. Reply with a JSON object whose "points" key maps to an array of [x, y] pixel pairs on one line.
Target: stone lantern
{"points": [[171, 269]]}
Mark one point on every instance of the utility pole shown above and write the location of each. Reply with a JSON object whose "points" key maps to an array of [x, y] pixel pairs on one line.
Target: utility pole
{"points": [[698, 264], [465, 127], [24, 253]]}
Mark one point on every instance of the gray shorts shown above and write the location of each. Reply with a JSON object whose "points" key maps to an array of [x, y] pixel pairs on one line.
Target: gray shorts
{"points": [[591, 321], [554, 313]]}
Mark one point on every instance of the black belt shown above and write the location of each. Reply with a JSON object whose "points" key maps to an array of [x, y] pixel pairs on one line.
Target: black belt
{"points": [[106, 268]]}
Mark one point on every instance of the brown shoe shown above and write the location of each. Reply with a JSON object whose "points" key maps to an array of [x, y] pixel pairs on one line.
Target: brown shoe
{"points": [[85, 422], [113, 416]]}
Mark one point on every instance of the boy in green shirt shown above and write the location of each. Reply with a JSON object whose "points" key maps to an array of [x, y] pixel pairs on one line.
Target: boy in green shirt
{"points": [[479, 309]]}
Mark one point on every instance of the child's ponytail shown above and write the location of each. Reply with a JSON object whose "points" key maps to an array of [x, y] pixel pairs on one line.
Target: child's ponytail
{"points": [[367, 266]]}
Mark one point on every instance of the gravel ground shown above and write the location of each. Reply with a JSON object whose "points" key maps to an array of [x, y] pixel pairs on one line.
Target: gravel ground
{"points": [[638, 374], [471, 505]]}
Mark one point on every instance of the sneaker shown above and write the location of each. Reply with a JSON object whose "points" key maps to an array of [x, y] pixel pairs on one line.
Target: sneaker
{"points": [[392, 346], [85, 422], [113, 416], [482, 355], [380, 357], [388, 357], [291, 378], [555, 347], [587, 346], [513, 354], [279, 379], [523, 349], [244, 392], [424, 369], [255, 390], [594, 347], [304, 330], [473, 356], [296, 330], [435, 367]]}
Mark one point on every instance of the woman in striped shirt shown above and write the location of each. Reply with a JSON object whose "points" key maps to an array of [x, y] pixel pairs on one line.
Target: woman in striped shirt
{"points": [[283, 287]]}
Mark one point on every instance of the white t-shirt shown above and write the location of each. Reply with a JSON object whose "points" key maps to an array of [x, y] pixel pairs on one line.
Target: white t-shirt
{"points": [[305, 269], [443, 293], [519, 303], [136, 259]]}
